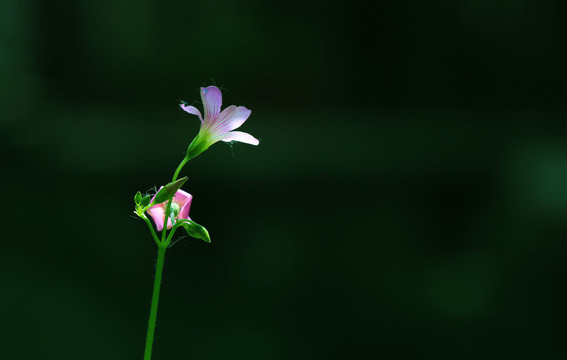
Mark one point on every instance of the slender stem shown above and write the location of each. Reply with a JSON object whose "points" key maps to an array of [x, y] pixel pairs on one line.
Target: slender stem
{"points": [[181, 165], [159, 268], [168, 240], [154, 235], [154, 305]]}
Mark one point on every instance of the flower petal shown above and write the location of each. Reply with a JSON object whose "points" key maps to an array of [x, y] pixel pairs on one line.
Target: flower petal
{"points": [[216, 126], [229, 119], [192, 110], [184, 212], [182, 196], [237, 136], [212, 101], [184, 200], [157, 213]]}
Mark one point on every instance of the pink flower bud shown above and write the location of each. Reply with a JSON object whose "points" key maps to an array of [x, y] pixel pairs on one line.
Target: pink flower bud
{"points": [[179, 209]]}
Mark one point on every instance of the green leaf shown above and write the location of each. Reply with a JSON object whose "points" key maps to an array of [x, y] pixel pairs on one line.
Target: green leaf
{"points": [[145, 201], [195, 230], [168, 191], [138, 198]]}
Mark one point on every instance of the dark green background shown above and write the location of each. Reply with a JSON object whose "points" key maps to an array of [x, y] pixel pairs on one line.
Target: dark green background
{"points": [[408, 199]]}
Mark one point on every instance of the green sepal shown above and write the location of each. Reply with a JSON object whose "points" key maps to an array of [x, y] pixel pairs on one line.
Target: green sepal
{"points": [[195, 230], [138, 198], [168, 191], [145, 201]]}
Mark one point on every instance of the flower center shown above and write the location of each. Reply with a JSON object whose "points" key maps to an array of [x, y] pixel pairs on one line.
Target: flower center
{"points": [[174, 209]]}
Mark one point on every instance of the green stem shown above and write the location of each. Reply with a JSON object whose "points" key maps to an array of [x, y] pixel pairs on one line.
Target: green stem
{"points": [[169, 237], [154, 305], [159, 268], [181, 165], [154, 235]]}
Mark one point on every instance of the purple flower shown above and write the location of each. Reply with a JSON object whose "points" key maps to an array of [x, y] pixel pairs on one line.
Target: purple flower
{"points": [[217, 125], [179, 209]]}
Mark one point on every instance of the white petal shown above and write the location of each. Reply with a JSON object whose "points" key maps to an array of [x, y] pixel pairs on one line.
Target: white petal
{"points": [[238, 136], [229, 119], [192, 110], [212, 101]]}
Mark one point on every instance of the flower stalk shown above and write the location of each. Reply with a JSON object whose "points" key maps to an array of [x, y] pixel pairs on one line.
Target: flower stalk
{"points": [[169, 207], [155, 301]]}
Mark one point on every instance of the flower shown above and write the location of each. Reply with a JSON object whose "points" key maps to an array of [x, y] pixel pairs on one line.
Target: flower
{"points": [[179, 209], [217, 125]]}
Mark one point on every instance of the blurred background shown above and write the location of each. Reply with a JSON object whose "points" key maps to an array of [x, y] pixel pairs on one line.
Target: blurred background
{"points": [[408, 199]]}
